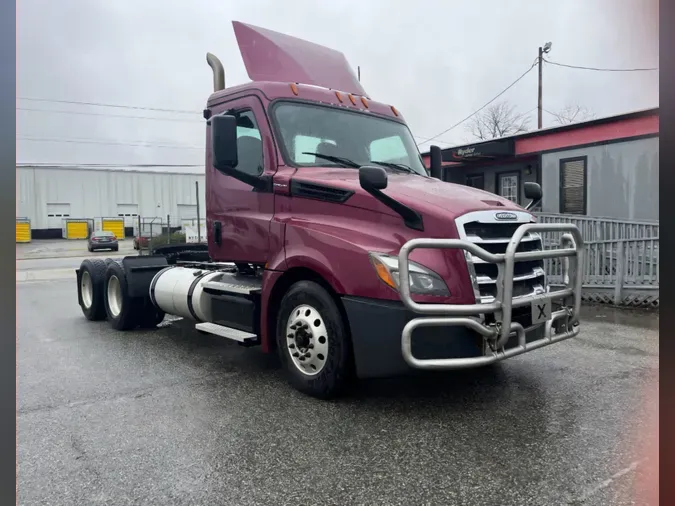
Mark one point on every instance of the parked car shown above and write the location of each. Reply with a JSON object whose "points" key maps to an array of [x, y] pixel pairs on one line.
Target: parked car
{"points": [[102, 239], [142, 241]]}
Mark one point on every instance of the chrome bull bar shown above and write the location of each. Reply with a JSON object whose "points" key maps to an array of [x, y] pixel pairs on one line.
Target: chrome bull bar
{"points": [[468, 315]]}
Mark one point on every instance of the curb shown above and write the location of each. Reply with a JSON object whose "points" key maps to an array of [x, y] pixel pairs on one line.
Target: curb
{"points": [[75, 254]]}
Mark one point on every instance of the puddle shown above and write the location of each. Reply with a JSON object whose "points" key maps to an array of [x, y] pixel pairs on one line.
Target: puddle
{"points": [[639, 318]]}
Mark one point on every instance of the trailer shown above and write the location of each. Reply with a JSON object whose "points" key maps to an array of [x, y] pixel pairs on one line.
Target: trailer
{"points": [[329, 243]]}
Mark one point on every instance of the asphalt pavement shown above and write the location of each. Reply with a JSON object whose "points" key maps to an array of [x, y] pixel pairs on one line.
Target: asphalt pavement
{"points": [[170, 416]]}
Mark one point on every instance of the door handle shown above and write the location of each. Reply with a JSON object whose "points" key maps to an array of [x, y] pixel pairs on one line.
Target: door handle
{"points": [[217, 229]]}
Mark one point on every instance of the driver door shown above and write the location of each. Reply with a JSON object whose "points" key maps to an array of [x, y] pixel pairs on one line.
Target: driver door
{"points": [[238, 215]]}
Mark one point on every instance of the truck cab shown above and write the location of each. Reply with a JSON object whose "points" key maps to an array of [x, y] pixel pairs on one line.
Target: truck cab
{"points": [[319, 205]]}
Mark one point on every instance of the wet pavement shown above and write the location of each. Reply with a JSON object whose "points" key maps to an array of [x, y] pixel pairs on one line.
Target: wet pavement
{"points": [[171, 416]]}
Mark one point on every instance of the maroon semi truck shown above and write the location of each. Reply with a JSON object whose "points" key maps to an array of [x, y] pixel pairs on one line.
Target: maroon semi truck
{"points": [[331, 243]]}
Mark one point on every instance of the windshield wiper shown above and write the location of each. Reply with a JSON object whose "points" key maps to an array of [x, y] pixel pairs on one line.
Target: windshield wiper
{"points": [[335, 159], [398, 166]]}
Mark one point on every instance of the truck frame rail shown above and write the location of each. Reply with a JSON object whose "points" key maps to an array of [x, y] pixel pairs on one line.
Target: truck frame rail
{"points": [[472, 315]]}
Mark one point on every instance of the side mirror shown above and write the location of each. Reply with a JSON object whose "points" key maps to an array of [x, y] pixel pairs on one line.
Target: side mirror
{"points": [[533, 192], [435, 164], [373, 178], [224, 142]]}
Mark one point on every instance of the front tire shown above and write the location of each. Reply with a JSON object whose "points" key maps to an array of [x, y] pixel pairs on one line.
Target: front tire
{"points": [[313, 341]]}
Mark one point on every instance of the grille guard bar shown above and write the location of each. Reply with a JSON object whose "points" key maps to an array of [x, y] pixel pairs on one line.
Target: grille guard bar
{"points": [[571, 250]]}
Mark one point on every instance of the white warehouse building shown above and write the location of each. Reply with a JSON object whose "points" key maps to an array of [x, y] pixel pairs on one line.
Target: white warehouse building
{"points": [[46, 195]]}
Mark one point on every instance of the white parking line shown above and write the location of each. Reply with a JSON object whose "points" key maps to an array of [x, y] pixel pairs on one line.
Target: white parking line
{"points": [[45, 275], [606, 483]]}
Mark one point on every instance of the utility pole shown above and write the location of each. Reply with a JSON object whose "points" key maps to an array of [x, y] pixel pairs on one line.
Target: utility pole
{"points": [[540, 61], [539, 105]]}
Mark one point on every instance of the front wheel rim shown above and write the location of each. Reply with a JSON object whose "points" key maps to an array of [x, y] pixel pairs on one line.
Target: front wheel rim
{"points": [[306, 340], [114, 296]]}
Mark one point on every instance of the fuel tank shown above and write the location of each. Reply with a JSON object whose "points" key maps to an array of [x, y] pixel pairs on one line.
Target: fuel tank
{"points": [[179, 291]]}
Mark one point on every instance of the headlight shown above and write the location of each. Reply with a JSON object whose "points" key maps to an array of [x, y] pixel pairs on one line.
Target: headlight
{"points": [[422, 280]]}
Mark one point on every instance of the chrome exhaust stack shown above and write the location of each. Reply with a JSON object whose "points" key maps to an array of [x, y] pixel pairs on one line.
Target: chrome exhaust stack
{"points": [[218, 72]]}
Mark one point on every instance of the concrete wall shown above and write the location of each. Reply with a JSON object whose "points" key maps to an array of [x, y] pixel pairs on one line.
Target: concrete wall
{"points": [[93, 193], [622, 179]]}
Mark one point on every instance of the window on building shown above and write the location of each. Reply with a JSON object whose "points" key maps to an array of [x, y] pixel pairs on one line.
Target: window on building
{"points": [[509, 186], [573, 185], [476, 181]]}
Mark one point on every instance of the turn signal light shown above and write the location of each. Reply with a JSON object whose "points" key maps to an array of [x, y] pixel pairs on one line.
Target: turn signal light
{"points": [[383, 273]]}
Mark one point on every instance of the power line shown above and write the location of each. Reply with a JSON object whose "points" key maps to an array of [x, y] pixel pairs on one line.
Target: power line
{"points": [[100, 141], [484, 106], [100, 104], [85, 165], [597, 69], [84, 113]]}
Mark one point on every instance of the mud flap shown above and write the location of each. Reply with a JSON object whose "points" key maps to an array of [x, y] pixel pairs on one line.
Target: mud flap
{"points": [[139, 271]]}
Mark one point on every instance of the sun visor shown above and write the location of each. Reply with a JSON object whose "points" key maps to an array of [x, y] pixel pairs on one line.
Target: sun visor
{"points": [[273, 56]]}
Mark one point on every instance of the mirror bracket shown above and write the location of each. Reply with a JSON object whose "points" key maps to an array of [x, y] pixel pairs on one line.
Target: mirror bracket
{"points": [[411, 218]]}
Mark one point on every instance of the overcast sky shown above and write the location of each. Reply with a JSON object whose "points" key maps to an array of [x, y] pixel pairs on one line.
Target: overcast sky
{"points": [[436, 61]]}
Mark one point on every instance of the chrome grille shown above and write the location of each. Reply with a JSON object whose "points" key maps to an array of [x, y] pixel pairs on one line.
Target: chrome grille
{"points": [[483, 228]]}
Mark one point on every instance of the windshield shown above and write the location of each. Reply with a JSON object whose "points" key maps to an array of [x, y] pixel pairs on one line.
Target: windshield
{"points": [[319, 136]]}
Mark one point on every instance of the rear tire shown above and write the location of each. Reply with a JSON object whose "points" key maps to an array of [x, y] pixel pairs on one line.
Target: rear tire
{"points": [[91, 288], [123, 311], [323, 340]]}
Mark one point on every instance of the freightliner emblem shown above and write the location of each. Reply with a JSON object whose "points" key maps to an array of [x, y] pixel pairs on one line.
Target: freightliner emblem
{"points": [[506, 216]]}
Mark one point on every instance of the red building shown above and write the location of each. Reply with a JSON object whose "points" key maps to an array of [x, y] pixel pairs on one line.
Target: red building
{"points": [[606, 167]]}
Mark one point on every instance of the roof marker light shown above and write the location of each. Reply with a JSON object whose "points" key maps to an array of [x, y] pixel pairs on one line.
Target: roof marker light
{"points": [[393, 109], [352, 99], [294, 89], [364, 102], [339, 97]]}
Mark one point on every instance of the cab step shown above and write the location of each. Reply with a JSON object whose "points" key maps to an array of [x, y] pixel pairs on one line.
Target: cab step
{"points": [[233, 284], [228, 333]]}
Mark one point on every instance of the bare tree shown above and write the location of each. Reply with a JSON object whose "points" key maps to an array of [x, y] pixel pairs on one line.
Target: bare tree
{"points": [[573, 114], [497, 120]]}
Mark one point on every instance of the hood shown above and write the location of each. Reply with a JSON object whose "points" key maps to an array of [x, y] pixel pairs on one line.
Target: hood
{"points": [[425, 195], [273, 56]]}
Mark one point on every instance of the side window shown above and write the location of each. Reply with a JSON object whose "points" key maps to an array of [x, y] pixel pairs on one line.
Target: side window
{"points": [[389, 149], [249, 144]]}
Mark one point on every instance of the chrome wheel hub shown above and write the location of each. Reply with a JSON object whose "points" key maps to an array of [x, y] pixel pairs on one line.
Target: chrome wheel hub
{"points": [[86, 290], [307, 340], [114, 296]]}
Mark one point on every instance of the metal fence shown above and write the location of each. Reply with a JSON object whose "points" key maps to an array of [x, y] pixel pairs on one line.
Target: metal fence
{"points": [[153, 231], [621, 260], [604, 229]]}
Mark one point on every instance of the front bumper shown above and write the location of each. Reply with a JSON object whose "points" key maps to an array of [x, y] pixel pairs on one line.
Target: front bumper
{"points": [[376, 327], [450, 336], [104, 245]]}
